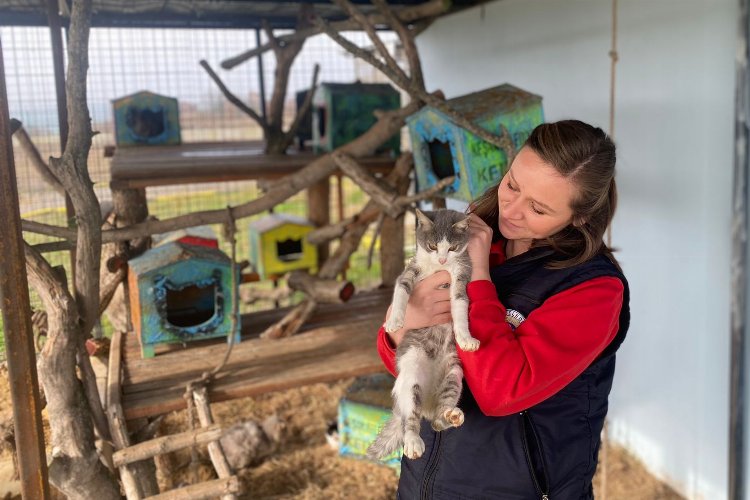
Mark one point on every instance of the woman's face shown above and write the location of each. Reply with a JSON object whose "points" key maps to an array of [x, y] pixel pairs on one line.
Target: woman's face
{"points": [[534, 200]]}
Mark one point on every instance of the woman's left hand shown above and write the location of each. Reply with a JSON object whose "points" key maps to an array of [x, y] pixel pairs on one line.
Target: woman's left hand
{"points": [[479, 248]]}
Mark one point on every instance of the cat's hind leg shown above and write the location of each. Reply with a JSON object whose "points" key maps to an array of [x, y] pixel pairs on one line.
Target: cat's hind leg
{"points": [[408, 392], [449, 392]]}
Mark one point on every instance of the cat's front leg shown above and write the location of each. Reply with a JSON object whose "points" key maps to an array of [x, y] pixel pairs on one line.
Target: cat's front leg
{"points": [[460, 311], [401, 294]]}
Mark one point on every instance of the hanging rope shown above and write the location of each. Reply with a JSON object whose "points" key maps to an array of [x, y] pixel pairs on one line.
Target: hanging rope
{"points": [[612, 73], [230, 231]]}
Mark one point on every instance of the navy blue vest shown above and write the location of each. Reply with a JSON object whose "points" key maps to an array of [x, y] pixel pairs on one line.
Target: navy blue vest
{"points": [[548, 451]]}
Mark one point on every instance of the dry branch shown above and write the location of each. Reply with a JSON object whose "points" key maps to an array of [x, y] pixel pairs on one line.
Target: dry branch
{"points": [[388, 124], [35, 157], [331, 232], [321, 290], [305, 108], [414, 87], [166, 444], [251, 295], [289, 324], [233, 98], [429, 9]]}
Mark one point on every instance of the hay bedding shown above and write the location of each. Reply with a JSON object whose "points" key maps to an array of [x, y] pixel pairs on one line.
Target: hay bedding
{"points": [[305, 468]]}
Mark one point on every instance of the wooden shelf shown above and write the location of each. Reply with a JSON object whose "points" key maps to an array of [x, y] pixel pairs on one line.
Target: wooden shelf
{"points": [[337, 342], [144, 166]]}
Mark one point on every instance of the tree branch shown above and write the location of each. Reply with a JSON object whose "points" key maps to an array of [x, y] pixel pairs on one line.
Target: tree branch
{"points": [[303, 110], [429, 9], [233, 98], [407, 40], [41, 167]]}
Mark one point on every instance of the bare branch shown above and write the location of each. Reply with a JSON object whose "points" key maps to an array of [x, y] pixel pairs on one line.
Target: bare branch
{"points": [[369, 28], [429, 9], [378, 191], [233, 98], [41, 167], [387, 125], [407, 40], [303, 110]]}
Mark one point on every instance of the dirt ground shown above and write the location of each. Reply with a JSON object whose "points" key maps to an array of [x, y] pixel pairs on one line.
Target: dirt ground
{"points": [[305, 467]]}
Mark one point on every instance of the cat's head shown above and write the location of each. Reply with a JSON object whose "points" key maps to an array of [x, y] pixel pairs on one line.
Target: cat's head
{"points": [[442, 235]]}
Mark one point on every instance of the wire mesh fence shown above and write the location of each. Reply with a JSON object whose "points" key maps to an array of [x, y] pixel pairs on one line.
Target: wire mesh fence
{"points": [[123, 61]]}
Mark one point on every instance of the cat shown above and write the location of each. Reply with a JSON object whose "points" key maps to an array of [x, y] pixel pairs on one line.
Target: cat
{"points": [[430, 376]]}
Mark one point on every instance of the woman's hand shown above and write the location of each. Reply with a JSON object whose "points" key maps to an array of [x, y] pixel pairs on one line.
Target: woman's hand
{"points": [[429, 304], [479, 248]]}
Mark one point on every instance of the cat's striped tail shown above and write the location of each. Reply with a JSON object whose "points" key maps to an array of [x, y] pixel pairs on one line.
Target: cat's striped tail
{"points": [[390, 438]]}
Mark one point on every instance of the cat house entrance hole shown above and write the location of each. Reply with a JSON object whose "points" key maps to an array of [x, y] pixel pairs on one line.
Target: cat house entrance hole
{"points": [[191, 305], [441, 159], [321, 112], [289, 250], [145, 123]]}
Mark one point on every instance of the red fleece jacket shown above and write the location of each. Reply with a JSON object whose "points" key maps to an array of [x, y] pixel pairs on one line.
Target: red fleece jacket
{"points": [[514, 370]]}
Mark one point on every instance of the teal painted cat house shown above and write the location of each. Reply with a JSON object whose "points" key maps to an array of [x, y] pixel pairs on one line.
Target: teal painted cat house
{"points": [[145, 119], [180, 293], [344, 111], [442, 149], [363, 411]]}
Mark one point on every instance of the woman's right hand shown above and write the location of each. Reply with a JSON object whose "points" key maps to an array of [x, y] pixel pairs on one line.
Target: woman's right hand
{"points": [[429, 304]]}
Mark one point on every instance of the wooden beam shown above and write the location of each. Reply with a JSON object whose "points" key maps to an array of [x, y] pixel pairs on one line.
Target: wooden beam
{"points": [[166, 444], [16, 313]]}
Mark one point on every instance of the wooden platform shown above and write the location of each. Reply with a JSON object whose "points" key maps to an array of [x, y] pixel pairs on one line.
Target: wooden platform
{"points": [[337, 342], [142, 166]]}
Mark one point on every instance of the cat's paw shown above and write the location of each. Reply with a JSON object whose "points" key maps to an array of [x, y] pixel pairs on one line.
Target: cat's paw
{"points": [[467, 343], [413, 446], [454, 416], [394, 323]]}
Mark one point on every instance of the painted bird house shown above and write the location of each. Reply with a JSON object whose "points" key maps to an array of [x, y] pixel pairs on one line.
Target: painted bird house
{"points": [[179, 293], [278, 245], [363, 411], [344, 111], [443, 149], [145, 119]]}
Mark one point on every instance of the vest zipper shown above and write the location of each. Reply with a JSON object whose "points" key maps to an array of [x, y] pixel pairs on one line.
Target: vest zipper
{"points": [[431, 467], [542, 490]]}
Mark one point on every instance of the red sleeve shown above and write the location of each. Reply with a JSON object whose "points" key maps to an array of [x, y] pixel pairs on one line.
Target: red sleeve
{"points": [[514, 370], [387, 351]]}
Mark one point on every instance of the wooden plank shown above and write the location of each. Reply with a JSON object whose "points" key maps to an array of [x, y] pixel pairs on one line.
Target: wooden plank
{"points": [[203, 491], [138, 167], [166, 444]]}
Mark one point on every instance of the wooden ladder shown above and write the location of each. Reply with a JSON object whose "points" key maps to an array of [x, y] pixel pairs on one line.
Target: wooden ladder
{"points": [[126, 455]]}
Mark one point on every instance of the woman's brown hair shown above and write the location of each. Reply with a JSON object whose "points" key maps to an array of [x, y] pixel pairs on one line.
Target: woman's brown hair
{"points": [[586, 156]]}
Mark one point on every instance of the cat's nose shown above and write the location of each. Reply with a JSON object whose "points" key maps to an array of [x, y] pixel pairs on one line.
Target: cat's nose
{"points": [[442, 260]]}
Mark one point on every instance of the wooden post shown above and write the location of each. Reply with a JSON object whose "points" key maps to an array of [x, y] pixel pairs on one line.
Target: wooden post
{"points": [[19, 337], [318, 199]]}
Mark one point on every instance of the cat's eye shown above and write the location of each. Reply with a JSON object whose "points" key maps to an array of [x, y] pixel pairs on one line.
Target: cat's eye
{"points": [[453, 248], [432, 246]]}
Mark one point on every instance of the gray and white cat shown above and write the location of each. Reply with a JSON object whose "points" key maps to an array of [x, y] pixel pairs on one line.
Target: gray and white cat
{"points": [[430, 377]]}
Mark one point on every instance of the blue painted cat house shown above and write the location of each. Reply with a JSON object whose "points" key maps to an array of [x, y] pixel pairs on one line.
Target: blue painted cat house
{"points": [[146, 119], [180, 292], [442, 149]]}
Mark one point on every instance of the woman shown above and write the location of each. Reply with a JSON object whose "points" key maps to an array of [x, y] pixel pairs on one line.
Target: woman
{"points": [[550, 306]]}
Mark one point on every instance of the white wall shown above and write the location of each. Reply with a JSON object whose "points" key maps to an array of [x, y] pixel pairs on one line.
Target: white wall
{"points": [[674, 131]]}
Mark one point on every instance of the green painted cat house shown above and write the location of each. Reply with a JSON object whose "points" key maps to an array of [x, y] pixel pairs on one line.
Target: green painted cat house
{"points": [[442, 149], [344, 111], [180, 292]]}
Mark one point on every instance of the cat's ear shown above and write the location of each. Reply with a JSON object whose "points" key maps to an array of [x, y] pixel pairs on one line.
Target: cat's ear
{"points": [[461, 225], [423, 220]]}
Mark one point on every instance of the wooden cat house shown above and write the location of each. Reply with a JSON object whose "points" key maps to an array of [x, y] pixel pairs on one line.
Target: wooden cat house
{"points": [[278, 245], [180, 292], [344, 111], [442, 148], [145, 119]]}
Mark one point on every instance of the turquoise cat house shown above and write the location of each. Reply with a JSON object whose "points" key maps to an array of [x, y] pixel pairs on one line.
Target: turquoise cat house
{"points": [[146, 119], [442, 149], [180, 292]]}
